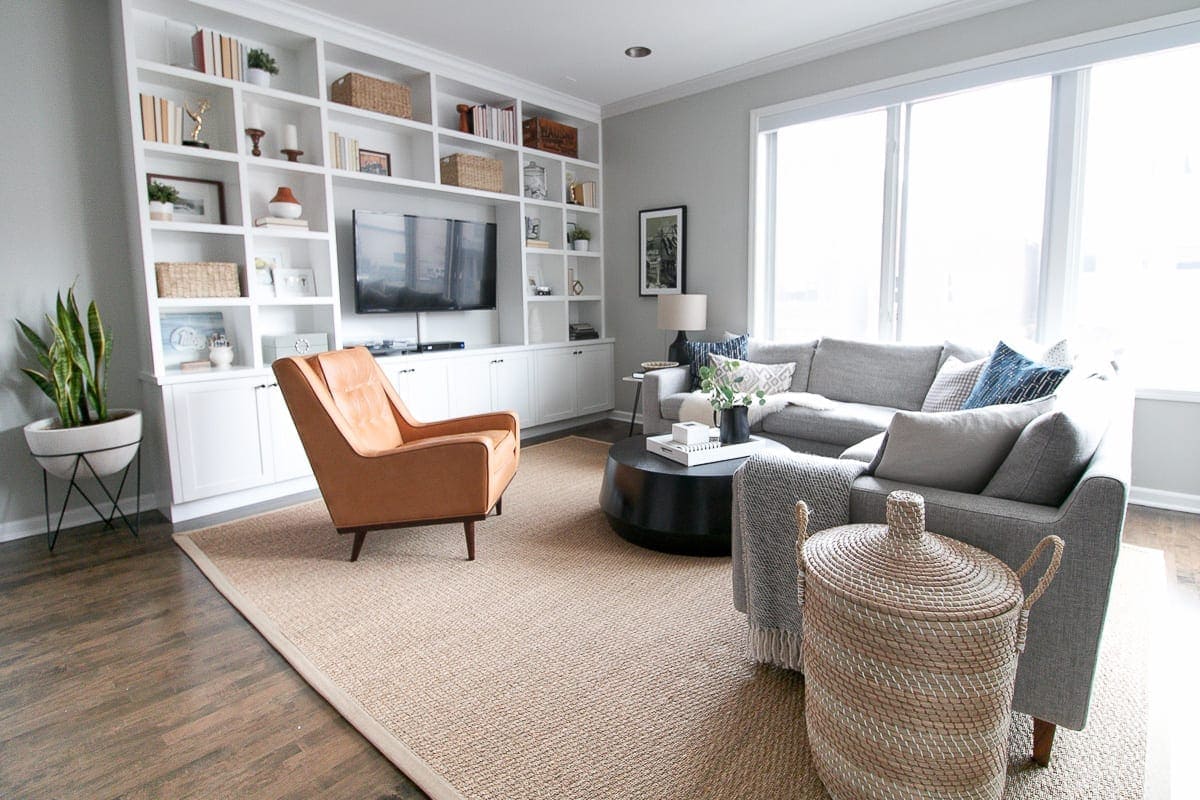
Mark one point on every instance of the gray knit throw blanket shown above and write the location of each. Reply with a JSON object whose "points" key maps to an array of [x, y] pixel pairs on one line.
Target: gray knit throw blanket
{"points": [[765, 491]]}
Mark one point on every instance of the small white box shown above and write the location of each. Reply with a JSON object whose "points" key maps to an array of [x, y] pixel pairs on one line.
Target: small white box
{"points": [[689, 432]]}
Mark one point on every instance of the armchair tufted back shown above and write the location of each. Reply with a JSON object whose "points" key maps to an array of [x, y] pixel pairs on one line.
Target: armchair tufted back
{"points": [[355, 383]]}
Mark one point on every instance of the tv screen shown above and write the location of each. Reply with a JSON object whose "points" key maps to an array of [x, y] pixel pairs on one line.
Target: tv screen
{"points": [[404, 262]]}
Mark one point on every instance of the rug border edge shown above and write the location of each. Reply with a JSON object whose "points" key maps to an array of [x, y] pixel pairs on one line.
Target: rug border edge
{"points": [[391, 747]]}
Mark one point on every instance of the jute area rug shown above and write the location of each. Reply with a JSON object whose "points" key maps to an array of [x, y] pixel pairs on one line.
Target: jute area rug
{"points": [[567, 663]]}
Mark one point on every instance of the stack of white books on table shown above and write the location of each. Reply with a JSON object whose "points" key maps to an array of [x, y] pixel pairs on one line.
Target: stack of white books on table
{"points": [[705, 452]]}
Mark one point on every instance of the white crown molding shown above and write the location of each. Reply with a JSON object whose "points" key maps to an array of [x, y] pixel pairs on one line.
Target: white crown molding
{"points": [[360, 37], [863, 37]]}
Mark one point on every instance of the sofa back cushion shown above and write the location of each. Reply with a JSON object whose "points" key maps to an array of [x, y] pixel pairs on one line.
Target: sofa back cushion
{"points": [[798, 353], [883, 374]]}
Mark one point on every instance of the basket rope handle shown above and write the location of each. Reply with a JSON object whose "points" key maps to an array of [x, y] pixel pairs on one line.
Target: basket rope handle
{"points": [[1042, 585], [802, 536]]}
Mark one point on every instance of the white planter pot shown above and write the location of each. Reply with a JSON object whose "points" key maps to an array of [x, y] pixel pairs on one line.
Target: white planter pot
{"points": [[258, 77], [46, 440], [164, 212], [220, 357], [580, 244]]}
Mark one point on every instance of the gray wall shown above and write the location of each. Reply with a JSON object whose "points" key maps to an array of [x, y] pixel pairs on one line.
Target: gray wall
{"points": [[696, 151], [62, 213]]}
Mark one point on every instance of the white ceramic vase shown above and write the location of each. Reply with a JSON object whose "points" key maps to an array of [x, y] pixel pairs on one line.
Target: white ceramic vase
{"points": [[258, 77], [220, 357], [580, 244], [163, 212], [121, 432]]}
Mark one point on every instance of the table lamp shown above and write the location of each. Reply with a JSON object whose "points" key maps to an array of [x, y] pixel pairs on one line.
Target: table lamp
{"points": [[682, 312]]}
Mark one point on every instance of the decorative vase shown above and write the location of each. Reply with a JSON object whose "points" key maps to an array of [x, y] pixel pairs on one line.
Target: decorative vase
{"points": [[163, 212], [220, 357], [284, 204], [580, 244], [258, 77], [110, 445], [735, 425], [535, 181]]}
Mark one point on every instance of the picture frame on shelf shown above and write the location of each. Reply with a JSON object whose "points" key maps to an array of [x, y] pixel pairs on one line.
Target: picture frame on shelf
{"points": [[374, 162], [265, 264], [294, 282], [662, 248], [200, 199], [185, 335]]}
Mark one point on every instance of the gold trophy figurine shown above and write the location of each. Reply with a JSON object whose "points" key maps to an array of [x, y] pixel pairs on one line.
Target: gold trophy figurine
{"points": [[201, 109]]}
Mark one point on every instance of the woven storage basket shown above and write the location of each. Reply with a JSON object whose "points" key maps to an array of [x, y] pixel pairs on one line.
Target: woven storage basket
{"points": [[373, 94], [473, 172], [197, 279], [910, 654]]}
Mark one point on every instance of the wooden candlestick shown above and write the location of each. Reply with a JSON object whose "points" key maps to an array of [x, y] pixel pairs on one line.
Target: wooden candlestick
{"points": [[292, 155], [464, 120], [255, 135]]}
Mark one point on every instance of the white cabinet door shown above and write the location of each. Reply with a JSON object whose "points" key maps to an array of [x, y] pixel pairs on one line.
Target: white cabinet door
{"points": [[594, 379], [512, 378], [471, 386], [218, 435], [556, 391], [424, 388], [281, 443]]}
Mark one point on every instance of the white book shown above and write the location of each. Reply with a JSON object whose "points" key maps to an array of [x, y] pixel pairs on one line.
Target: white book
{"points": [[696, 454]]}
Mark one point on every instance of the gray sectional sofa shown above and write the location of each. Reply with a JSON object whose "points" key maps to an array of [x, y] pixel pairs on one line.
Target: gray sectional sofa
{"points": [[869, 382]]}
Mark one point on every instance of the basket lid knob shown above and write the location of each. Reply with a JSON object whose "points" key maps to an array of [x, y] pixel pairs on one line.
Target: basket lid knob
{"points": [[905, 515]]}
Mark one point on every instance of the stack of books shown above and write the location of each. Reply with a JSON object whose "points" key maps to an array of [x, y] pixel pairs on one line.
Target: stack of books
{"points": [[584, 194], [536, 243], [217, 54], [344, 150], [162, 120], [279, 223], [495, 123]]}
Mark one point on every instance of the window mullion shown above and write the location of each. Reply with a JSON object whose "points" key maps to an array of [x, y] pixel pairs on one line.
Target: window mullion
{"points": [[768, 181], [893, 181]]}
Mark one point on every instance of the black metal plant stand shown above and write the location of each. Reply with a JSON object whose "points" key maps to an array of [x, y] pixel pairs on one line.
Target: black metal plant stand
{"points": [[81, 457]]}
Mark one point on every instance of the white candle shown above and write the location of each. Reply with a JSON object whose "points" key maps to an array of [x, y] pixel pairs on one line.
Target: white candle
{"points": [[290, 140], [253, 119]]}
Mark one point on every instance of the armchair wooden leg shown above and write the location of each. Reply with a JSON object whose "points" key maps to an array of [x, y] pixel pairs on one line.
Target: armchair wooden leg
{"points": [[359, 538], [499, 501], [1043, 740], [470, 529]]}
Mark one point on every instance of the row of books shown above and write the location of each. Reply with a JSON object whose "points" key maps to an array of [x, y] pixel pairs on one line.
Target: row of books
{"points": [[162, 120], [217, 54], [583, 194], [344, 150], [495, 123], [280, 223]]}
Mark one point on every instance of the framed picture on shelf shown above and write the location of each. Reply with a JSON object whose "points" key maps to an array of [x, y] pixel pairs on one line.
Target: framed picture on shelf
{"points": [[200, 200], [294, 282], [265, 262], [374, 162], [185, 336], [662, 251]]}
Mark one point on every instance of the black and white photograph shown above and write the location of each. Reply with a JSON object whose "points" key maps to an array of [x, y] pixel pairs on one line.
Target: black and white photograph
{"points": [[199, 200], [662, 251]]}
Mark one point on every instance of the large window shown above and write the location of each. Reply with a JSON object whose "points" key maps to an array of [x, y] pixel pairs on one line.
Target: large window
{"points": [[1036, 207]]}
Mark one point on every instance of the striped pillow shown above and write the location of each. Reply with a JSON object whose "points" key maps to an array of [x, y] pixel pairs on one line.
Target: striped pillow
{"points": [[698, 354], [1010, 377]]}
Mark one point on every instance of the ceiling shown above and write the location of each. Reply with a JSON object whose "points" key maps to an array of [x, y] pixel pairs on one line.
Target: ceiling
{"points": [[578, 48]]}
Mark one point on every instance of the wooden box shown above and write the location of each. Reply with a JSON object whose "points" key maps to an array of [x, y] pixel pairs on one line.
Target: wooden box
{"points": [[553, 137], [473, 172], [373, 94], [197, 279], [293, 344]]}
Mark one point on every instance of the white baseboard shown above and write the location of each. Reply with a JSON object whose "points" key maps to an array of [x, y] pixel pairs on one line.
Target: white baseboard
{"points": [[83, 515], [1158, 498], [623, 416]]}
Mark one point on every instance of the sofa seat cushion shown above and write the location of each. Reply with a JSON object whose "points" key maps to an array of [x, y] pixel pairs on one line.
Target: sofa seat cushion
{"points": [[893, 375], [844, 424]]}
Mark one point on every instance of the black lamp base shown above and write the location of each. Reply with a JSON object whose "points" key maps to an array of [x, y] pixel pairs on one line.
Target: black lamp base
{"points": [[678, 350]]}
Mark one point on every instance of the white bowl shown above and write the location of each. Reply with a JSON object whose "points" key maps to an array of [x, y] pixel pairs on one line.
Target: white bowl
{"points": [[122, 431]]}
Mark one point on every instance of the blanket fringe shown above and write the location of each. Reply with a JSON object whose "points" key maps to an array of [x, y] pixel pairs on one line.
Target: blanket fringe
{"points": [[776, 646]]}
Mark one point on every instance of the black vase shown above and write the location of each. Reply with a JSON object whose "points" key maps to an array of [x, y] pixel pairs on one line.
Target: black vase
{"points": [[735, 425]]}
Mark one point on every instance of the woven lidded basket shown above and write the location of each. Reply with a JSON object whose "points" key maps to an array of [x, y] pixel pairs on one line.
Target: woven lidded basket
{"points": [[473, 172], [910, 655], [373, 94], [197, 279]]}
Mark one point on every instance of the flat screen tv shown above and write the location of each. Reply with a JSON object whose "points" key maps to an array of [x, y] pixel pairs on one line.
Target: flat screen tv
{"points": [[404, 262]]}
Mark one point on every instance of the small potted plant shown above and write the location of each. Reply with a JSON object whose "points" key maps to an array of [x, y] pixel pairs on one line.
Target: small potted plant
{"points": [[260, 67], [723, 395], [77, 383], [162, 201], [580, 238]]}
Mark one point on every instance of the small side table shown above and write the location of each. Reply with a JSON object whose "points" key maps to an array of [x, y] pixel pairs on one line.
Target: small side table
{"points": [[81, 458], [637, 378]]}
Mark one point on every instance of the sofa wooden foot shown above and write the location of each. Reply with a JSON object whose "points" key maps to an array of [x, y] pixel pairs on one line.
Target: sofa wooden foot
{"points": [[1043, 741], [469, 526], [359, 538]]}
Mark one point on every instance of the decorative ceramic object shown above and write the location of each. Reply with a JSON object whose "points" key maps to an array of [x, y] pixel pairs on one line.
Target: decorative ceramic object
{"points": [[580, 244], [122, 432], [735, 425], [163, 212], [221, 357], [535, 181], [258, 77], [284, 204]]}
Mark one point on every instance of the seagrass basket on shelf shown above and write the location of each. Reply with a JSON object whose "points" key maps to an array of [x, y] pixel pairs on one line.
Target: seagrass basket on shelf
{"points": [[473, 172], [197, 279], [372, 94], [910, 643]]}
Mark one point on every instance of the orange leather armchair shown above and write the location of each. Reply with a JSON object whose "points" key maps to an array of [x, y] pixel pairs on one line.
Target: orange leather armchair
{"points": [[377, 467]]}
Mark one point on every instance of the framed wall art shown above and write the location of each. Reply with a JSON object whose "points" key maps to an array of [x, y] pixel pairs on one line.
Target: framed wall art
{"points": [[661, 251], [200, 200]]}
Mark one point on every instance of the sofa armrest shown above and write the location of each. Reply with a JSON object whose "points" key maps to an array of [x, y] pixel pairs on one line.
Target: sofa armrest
{"points": [[656, 385]]}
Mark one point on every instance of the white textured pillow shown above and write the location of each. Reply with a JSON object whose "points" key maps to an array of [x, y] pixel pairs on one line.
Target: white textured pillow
{"points": [[953, 385], [770, 378]]}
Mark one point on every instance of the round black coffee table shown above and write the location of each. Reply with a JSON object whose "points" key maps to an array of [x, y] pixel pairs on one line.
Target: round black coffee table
{"points": [[657, 503]]}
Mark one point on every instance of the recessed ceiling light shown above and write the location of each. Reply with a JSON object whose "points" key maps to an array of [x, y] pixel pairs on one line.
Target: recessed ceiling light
{"points": [[637, 51]]}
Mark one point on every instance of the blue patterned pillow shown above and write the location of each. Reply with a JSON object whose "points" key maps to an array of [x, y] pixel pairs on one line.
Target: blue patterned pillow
{"points": [[698, 354], [1010, 377]]}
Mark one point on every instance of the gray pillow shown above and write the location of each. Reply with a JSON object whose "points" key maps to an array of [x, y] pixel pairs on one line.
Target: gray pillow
{"points": [[798, 353], [955, 450], [953, 385], [1051, 454], [770, 378], [866, 450]]}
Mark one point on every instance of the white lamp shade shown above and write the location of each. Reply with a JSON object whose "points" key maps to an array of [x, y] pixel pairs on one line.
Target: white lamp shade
{"points": [[682, 312]]}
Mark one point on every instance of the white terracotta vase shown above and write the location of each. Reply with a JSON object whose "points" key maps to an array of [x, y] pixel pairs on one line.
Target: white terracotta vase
{"points": [[581, 244], [121, 432], [258, 77], [163, 212], [220, 357]]}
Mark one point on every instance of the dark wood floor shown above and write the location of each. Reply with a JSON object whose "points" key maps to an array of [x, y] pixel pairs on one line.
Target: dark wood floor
{"points": [[123, 673]]}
